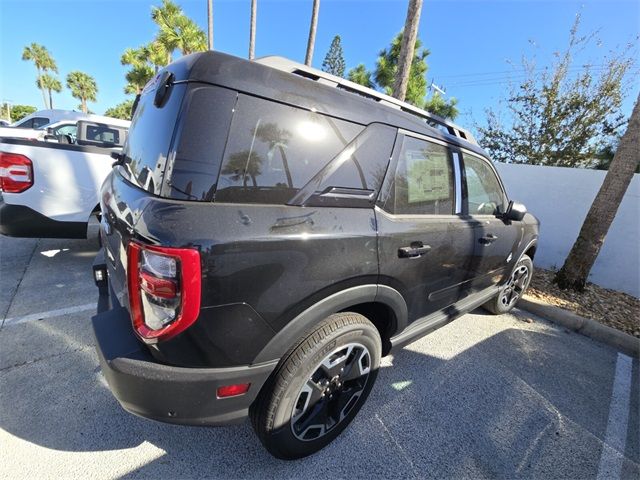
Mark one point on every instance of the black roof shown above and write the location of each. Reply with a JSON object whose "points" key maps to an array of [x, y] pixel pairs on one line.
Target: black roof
{"points": [[263, 81]]}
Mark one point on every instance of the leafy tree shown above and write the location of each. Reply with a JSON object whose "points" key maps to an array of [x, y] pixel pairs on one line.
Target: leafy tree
{"points": [[18, 112], [559, 117], [387, 70], [43, 61], [334, 60], [50, 84], [312, 32], [122, 110], [405, 57], [586, 248], [361, 76], [83, 87], [141, 72], [177, 31]]}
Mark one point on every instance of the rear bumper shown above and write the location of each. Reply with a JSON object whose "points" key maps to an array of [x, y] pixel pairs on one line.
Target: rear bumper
{"points": [[166, 393], [22, 221]]}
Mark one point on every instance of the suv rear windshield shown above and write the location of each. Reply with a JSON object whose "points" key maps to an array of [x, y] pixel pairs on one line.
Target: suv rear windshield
{"points": [[149, 139]]}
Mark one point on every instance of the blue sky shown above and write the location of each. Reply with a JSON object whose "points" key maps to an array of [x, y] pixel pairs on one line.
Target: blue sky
{"points": [[471, 42]]}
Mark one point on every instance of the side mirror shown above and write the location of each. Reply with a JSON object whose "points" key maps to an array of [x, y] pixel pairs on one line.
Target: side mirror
{"points": [[515, 211], [50, 131]]}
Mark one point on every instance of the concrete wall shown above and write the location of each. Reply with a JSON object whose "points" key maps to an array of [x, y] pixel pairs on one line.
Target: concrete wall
{"points": [[560, 198]]}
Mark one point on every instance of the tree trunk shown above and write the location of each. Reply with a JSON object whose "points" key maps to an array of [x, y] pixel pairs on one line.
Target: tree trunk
{"points": [[44, 94], [84, 105], [210, 23], [312, 32], [50, 99], [584, 252], [410, 33], [252, 30]]}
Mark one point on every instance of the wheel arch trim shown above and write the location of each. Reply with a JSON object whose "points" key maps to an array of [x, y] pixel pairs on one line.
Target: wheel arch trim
{"points": [[334, 303]]}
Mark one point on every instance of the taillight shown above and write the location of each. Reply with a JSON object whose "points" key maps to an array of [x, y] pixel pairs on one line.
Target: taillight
{"points": [[164, 290], [16, 173]]}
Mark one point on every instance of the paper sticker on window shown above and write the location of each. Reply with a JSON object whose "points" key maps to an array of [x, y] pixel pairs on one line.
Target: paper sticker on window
{"points": [[428, 178]]}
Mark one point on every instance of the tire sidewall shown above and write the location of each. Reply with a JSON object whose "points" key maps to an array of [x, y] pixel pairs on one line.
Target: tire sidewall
{"points": [[524, 260], [282, 433]]}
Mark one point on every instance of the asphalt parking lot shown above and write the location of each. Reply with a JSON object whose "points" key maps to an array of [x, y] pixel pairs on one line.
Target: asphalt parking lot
{"points": [[501, 397]]}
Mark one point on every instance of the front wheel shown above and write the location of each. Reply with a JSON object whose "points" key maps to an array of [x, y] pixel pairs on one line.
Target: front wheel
{"points": [[319, 387], [514, 289]]}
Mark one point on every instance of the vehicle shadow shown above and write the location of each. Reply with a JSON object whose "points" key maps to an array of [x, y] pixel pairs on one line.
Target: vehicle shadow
{"points": [[515, 404]]}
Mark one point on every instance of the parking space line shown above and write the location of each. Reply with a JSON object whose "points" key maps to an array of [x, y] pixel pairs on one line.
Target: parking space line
{"points": [[615, 439], [51, 313]]}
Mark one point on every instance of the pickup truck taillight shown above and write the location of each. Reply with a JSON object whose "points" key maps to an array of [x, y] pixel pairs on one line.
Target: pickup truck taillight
{"points": [[16, 173], [164, 290]]}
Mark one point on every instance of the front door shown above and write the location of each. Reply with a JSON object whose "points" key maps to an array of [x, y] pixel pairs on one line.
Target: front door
{"points": [[425, 245], [496, 240]]}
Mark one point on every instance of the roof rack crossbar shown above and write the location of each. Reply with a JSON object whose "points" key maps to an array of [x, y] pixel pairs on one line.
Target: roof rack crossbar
{"points": [[286, 65]]}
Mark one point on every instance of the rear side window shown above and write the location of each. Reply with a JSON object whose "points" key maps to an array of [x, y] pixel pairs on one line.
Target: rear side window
{"points": [[149, 139], [273, 150], [35, 122], [423, 181]]}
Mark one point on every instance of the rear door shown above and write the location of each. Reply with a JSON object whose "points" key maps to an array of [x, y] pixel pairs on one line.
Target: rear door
{"points": [[425, 244], [495, 240]]}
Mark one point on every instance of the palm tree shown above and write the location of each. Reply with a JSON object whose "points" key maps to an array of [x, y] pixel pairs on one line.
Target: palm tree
{"points": [[165, 17], [409, 36], [83, 87], [252, 29], [43, 61], [584, 252], [50, 84], [312, 32], [141, 72], [210, 23], [177, 31]]}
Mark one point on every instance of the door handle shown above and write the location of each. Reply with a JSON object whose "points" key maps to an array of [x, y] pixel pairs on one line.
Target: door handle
{"points": [[416, 249], [488, 239]]}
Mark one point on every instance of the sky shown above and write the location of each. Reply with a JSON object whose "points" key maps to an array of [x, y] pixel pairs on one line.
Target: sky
{"points": [[476, 46]]}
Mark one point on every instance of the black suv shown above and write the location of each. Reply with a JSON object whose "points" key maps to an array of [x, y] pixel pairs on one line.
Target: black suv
{"points": [[271, 231]]}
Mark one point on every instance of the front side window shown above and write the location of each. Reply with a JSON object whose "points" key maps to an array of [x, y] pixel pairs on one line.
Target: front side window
{"points": [[423, 182], [273, 150], [35, 122], [484, 192]]}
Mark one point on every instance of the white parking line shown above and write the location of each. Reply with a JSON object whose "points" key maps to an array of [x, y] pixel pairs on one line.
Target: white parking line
{"points": [[51, 313], [615, 440]]}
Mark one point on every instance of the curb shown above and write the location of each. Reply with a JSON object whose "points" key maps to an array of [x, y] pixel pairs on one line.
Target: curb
{"points": [[614, 338]]}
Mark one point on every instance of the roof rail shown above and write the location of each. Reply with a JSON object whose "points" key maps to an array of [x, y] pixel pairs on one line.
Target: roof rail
{"points": [[286, 65]]}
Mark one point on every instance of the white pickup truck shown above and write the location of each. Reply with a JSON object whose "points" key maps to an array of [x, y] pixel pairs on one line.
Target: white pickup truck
{"points": [[51, 190]]}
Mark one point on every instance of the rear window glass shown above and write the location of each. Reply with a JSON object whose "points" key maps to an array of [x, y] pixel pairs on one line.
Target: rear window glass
{"points": [[149, 139], [273, 150], [103, 134]]}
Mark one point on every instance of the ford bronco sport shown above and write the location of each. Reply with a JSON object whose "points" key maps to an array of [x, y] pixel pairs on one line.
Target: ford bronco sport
{"points": [[271, 231]]}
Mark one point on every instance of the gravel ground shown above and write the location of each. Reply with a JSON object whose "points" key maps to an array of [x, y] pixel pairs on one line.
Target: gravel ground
{"points": [[615, 309], [508, 396]]}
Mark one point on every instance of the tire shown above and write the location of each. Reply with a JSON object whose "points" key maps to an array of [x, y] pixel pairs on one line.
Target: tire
{"points": [[514, 289], [308, 400]]}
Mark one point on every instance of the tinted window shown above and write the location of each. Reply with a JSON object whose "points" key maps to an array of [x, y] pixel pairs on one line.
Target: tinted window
{"points": [[204, 127], [273, 150], [423, 181], [33, 122], [149, 139], [66, 130], [484, 193], [103, 134], [39, 122]]}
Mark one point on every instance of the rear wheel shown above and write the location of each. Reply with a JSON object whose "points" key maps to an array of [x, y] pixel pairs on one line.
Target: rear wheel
{"points": [[319, 387], [514, 289]]}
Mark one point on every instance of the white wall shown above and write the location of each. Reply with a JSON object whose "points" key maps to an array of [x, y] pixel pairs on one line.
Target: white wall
{"points": [[560, 198]]}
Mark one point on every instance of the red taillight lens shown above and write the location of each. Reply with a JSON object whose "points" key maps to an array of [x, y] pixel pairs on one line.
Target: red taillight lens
{"points": [[164, 290], [233, 390], [16, 173]]}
